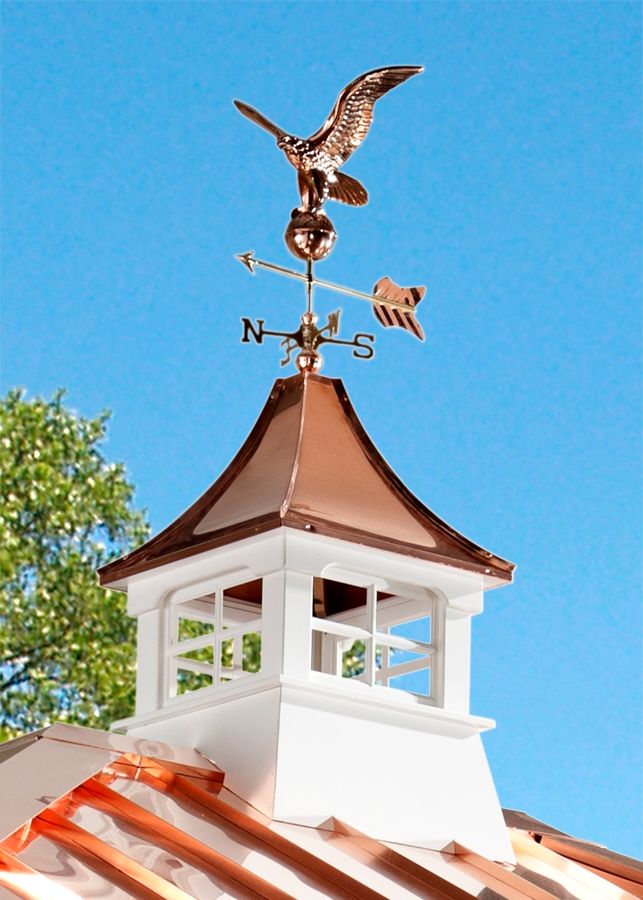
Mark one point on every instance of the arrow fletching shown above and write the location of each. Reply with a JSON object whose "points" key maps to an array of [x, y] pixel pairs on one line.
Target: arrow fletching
{"points": [[395, 316]]}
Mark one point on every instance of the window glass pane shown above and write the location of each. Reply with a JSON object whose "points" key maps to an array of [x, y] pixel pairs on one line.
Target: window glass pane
{"points": [[189, 628], [202, 655], [353, 663], [186, 682], [252, 652], [415, 629], [396, 657], [413, 682]]}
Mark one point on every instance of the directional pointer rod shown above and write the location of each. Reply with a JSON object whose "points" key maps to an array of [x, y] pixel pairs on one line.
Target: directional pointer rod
{"points": [[250, 262]]}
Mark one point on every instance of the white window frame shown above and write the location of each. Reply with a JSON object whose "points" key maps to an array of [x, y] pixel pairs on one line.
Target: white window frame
{"points": [[248, 623], [371, 624]]}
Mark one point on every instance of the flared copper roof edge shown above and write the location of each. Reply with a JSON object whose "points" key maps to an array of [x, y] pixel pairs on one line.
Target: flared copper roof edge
{"points": [[127, 566], [300, 522], [179, 540], [139, 560], [413, 503]]}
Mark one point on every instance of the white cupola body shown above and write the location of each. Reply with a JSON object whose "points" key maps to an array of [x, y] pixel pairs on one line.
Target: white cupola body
{"points": [[306, 624]]}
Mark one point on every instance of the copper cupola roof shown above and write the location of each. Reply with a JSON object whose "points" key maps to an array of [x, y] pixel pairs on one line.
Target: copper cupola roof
{"points": [[309, 464]]}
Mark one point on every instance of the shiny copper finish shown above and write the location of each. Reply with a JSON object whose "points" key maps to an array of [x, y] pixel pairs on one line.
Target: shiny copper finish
{"points": [[116, 866], [403, 314], [246, 854], [23, 881], [512, 884], [319, 157], [310, 235], [614, 866], [375, 853], [162, 780], [309, 361], [176, 841], [136, 767], [295, 480]]}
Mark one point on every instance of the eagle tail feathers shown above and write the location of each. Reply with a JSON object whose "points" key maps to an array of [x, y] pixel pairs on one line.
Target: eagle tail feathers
{"points": [[348, 190]]}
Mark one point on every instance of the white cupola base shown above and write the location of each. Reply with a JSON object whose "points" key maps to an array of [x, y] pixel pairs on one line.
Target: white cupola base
{"points": [[306, 624]]}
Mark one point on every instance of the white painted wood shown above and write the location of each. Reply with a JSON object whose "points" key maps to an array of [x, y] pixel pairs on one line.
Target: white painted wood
{"points": [[273, 610], [240, 735], [303, 745], [150, 654], [456, 660], [298, 602], [370, 647], [302, 753], [418, 788]]}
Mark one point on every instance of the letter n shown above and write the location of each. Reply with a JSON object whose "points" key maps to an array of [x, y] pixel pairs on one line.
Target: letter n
{"points": [[251, 330]]}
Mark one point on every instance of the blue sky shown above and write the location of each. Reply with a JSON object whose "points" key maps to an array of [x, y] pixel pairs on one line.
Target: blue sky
{"points": [[506, 178]]}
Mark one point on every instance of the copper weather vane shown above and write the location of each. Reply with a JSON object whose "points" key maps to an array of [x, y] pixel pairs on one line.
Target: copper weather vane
{"points": [[310, 235]]}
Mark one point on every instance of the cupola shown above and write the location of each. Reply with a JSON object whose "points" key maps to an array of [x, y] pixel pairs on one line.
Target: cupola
{"points": [[306, 623]]}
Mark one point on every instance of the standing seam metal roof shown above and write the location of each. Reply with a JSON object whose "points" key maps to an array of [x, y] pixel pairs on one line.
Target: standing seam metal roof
{"points": [[111, 816]]}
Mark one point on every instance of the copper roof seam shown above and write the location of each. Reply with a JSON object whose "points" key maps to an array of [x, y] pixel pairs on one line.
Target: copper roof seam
{"points": [[295, 465], [183, 845], [401, 865], [517, 885], [267, 522], [143, 763], [568, 868], [596, 855], [198, 509], [416, 507], [82, 843], [295, 519], [281, 846], [9, 864], [631, 888], [179, 539]]}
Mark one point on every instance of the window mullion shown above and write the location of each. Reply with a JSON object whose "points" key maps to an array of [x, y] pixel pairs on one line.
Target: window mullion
{"points": [[370, 647], [218, 627]]}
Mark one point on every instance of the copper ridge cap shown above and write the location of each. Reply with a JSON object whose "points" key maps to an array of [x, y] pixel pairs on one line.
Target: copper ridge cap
{"points": [[319, 473]]}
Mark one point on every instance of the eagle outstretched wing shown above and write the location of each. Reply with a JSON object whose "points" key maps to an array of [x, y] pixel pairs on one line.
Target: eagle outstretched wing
{"points": [[351, 117], [259, 119]]}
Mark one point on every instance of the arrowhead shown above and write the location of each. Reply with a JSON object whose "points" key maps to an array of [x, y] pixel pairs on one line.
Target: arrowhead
{"points": [[248, 260]]}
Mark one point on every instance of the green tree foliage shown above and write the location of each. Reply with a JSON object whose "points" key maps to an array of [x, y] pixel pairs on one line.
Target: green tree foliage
{"points": [[67, 650]]}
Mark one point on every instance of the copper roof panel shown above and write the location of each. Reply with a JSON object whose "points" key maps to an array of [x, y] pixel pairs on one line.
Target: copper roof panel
{"points": [[262, 484], [145, 828], [308, 463], [68, 871], [216, 832], [145, 851], [34, 778], [336, 478], [121, 743]]}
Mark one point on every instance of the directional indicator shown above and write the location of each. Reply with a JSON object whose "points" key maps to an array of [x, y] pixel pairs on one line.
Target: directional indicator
{"points": [[310, 235], [308, 338], [250, 261]]}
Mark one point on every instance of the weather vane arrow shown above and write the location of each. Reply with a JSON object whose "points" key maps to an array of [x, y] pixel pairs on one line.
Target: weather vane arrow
{"points": [[386, 294], [310, 234]]}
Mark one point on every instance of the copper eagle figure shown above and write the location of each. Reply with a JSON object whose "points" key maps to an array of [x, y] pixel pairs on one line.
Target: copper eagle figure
{"points": [[318, 158]]}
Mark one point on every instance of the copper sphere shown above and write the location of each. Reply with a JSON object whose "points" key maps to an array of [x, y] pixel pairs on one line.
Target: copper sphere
{"points": [[309, 361], [310, 235]]}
